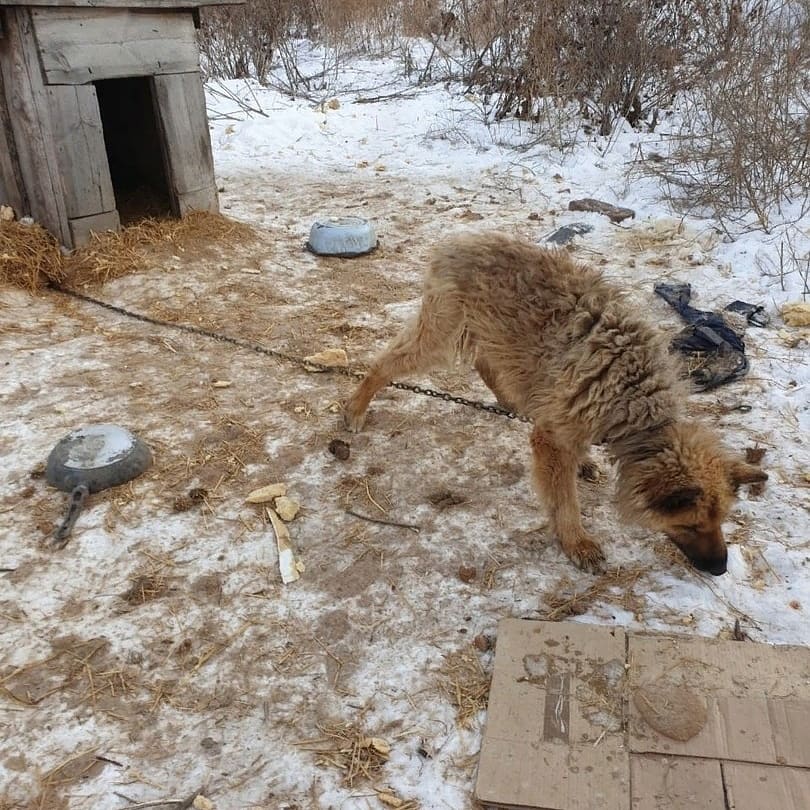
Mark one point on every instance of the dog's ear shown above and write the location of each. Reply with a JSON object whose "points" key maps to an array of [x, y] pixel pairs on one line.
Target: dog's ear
{"points": [[676, 500], [740, 472]]}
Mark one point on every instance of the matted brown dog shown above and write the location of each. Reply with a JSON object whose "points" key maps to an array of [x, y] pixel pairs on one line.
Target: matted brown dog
{"points": [[558, 343]]}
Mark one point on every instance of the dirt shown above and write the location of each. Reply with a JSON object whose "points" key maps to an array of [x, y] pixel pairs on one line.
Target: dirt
{"points": [[672, 710]]}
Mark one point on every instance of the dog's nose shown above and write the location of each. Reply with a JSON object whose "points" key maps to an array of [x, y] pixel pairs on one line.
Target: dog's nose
{"points": [[714, 567]]}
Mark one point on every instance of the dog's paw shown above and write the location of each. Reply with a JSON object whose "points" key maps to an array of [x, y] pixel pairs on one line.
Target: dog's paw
{"points": [[586, 554], [352, 420]]}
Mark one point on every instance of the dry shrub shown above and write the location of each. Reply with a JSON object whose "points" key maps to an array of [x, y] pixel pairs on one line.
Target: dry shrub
{"points": [[31, 258], [744, 144], [241, 42], [612, 57]]}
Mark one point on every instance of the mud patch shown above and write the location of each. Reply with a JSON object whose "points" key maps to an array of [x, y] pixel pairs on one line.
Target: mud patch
{"points": [[673, 711]]}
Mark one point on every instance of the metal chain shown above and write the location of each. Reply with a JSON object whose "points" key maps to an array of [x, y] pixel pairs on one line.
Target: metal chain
{"points": [[290, 358]]}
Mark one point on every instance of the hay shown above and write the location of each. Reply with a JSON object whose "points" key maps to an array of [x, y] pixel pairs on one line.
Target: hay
{"points": [[32, 259], [615, 586], [145, 588], [29, 257], [465, 683], [348, 748]]}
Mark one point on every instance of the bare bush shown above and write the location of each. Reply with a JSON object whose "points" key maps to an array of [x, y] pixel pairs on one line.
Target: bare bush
{"points": [[744, 145], [612, 57], [240, 42]]}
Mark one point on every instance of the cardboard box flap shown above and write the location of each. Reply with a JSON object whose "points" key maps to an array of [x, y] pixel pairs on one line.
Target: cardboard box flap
{"points": [[754, 787], [676, 783], [556, 707], [723, 699]]}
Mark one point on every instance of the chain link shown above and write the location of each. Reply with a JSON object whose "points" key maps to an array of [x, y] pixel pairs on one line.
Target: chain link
{"points": [[290, 358]]}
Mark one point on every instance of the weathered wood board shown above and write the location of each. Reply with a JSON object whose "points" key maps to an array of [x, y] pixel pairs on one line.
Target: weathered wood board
{"points": [[181, 107], [30, 118], [11, 185], [81, 228], [83, 45], [79, 140]]}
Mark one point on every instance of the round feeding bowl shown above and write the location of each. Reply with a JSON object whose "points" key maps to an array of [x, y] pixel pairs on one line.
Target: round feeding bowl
{"points": [[97, 456], [342, 236]]}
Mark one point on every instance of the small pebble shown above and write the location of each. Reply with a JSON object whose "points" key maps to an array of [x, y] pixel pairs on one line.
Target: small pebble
{"points": [[482, 643]]}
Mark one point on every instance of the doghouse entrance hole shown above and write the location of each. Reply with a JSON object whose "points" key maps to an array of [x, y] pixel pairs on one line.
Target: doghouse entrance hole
{"points": [[132, 137]]}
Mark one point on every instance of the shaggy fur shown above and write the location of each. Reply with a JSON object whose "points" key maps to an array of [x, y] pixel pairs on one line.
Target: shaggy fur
{"points": [[556, 342]]}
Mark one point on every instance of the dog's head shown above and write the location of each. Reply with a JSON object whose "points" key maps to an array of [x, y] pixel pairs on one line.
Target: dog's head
{"points": [[684, 487]]}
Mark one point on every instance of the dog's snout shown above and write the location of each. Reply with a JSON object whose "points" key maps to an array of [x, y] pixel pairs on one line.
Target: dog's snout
{"points": [[716, 567]]}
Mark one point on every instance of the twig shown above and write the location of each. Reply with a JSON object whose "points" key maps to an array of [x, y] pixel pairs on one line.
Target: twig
{"points": [[389, 97], [410, 526], [179, 804]]}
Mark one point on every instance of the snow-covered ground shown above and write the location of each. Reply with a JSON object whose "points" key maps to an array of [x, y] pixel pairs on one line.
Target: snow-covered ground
{"points": [[159, 654]]}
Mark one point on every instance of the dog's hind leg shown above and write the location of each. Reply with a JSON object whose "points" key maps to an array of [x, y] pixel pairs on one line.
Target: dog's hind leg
{"points": [[555, 472], [491, 381], [429, 341]]}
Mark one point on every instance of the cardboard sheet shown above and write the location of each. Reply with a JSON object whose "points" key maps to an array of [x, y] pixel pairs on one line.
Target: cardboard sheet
{"points": [[584, 717]]}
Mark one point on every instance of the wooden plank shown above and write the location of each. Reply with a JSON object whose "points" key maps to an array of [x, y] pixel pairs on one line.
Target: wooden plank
{"points": [[28, 108], [81, 228], [150, 4], [11, 185], [204, 199], [83, 45], [676, 783], [184, 123], [553, 736], [754, 787], [80, 149]]}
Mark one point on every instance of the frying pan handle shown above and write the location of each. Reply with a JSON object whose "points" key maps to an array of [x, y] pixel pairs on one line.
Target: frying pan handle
{"points": [[75, 504]]}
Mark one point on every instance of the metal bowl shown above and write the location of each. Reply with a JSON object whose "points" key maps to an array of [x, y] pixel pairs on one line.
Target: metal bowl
{"points": [[97, 456], [342, 236]]}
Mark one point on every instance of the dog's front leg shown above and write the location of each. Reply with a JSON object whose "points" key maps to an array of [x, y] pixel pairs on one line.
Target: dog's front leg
{"points": [[555, 473]]}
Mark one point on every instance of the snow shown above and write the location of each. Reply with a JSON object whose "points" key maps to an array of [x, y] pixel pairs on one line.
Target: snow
{"points": [[363, 635]]}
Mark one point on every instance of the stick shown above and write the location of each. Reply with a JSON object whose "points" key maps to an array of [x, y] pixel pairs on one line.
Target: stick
{"points": [[410, 526]]}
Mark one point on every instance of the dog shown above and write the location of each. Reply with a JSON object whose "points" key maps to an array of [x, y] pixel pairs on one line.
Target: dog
{"points": [[556, 342]]}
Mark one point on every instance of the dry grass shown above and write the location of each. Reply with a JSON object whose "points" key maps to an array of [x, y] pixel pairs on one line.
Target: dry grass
{"points": [[215, 459], [32, 259], [615, 586], [359, 756], [75, 768], [466, 684], [144, 588], [29, 257], [76, 666]]}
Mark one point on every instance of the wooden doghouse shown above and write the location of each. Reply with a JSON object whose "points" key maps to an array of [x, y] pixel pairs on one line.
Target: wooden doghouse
{"points": [[102, 113]]}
